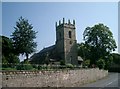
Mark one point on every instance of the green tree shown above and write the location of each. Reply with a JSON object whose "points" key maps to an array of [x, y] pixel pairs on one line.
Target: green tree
{"points": [[101, 63], [8, 52], [23, 37], [86, 63], [101, 41], [108, 61], [116, 58], [24, 65], [62, 62], [115, 66], [84, 51], [7, 46]]}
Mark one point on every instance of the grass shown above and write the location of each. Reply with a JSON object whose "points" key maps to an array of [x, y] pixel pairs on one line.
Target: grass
{"points": [[8, 68]]}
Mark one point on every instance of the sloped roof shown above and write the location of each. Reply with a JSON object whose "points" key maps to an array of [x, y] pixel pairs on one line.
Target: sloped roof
{"points": [[44, 50], [47, 49]]}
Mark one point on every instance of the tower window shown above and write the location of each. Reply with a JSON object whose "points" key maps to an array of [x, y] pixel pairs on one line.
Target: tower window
{"points": [[69, 33]]}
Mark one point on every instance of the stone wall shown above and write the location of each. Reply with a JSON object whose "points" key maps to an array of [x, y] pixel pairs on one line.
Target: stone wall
{"points": [[58, 78]]}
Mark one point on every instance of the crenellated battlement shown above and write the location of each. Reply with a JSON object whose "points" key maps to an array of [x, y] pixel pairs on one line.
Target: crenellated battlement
{"points": [[65, 23], [66, 41]]}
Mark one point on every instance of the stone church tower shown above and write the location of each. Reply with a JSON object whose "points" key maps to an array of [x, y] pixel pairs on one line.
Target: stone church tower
{"points": [[66, 47]]}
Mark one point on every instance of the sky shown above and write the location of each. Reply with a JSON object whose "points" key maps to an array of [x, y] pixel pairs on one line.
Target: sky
{"points": [[43, 15], [60, 0], [119, 28]]}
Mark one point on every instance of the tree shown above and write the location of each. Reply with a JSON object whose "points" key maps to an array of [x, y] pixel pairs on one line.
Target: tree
{"points": [[101, 63], [86, 63], [116, 58], [23, 37], [8, 52], [7, 46], [101, 41], [115, 66], [108, 61], [84, 51]]}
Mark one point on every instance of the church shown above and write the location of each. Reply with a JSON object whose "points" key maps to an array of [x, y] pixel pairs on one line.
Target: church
{"points": [[65, 48]]}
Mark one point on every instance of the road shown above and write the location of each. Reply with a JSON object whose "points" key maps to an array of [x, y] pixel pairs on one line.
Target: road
{"points": [[111, 81]]}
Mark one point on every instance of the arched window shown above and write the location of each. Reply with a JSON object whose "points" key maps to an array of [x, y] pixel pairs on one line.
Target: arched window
{"points": [[69, 33]]}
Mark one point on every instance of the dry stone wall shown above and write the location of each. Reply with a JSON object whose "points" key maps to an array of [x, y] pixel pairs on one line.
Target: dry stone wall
{"points": [[58, 78]]}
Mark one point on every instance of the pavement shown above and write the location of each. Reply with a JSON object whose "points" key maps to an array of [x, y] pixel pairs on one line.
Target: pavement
{"points": [[112, 81]]}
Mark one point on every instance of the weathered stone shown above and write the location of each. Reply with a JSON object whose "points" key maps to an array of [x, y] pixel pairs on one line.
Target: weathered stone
{"points": [[65, 47], [66, 78]]}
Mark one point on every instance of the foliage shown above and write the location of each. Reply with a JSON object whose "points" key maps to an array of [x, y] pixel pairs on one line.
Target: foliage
{"points": [[62, 62], [8, 52], [69, 65], [114, 68], [101, 42], [116, 58], [39, 67], [24, 65], [83, 51], [101, 63], [23, 37], [6, 45], [115, 65], [86, 63], [108, 61]]}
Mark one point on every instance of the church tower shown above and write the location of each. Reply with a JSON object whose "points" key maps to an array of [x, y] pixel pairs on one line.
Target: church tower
{"points": [[66, 47]]}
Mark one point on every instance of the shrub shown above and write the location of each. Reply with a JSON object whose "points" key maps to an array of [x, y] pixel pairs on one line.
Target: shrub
{"points": [[114, 68], [35, 66], [69, 65], [62, 62], [86, 63], [39, 67], [24, 66], [101, 63]]}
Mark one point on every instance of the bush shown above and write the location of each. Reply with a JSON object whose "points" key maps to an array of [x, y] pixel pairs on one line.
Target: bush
{"points": [[35, 66], [116, 58], [114, 68], [24, 66], [86, 63], [69, 65], [101, 63], [39, 67], [62, 62], [108, 62]]}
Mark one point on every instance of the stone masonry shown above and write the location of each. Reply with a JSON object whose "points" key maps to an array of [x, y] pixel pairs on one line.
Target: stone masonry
{"points": [[53, 78], [66, 46]]}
